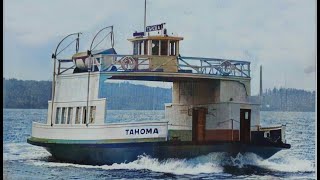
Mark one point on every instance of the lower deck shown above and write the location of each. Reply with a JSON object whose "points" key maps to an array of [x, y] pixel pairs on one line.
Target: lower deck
{"points": [[142, 132]]}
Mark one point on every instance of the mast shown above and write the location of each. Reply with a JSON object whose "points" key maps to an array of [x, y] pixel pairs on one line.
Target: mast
{"points": [[145, 16]]}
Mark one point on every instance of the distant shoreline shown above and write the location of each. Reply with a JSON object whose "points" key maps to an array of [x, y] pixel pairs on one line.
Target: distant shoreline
{"points": [[31, 94]]}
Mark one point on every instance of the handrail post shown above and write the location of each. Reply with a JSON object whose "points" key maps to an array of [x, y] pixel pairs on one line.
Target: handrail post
{"points": [[53, 87], [232, 129], [88, 89], [167, 131], [59, 65]]}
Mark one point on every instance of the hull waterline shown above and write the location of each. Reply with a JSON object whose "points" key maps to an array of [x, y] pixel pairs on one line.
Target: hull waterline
{"points": [[109, 153]]}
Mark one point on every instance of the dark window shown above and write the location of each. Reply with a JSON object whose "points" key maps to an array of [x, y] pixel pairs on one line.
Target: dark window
{"points": [[164, 48], [135, 48], [58, 118], [78, 112], [69, 115], [146, 47], [84, 115], [155, 47], [63, 115], [140, 47], [172, 48], [92, 114]]}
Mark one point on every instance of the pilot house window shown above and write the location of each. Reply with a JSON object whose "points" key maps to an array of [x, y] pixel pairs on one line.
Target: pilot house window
{"points": [[135, 48], [164, 48], [140, 47], [145, 47], [155, 47], [172, 48]]}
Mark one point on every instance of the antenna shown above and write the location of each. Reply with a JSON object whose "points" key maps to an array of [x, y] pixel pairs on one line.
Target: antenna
{"points": [[260, 80]]}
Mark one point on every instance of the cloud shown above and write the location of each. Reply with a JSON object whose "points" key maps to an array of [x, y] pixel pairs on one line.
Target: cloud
{"points": [[310, 69], [280, 35], [35, 22]]}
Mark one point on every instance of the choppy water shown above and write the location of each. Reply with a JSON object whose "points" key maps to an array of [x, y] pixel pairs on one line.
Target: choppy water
{"points": [[24, 161]]}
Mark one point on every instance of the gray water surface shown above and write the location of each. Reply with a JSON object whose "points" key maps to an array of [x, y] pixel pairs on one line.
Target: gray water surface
{"points": [[24, 161]]}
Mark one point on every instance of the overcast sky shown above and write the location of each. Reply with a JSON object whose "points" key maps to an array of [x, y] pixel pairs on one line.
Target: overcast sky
{"points": [[280, 35]]}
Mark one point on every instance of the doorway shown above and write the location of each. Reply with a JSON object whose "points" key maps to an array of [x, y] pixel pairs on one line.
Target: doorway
{"points": [[198, 124], [245, 121]]}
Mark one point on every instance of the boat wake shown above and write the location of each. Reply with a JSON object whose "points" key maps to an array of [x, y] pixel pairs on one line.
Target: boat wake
{"points": [[23, 151], [207, 164], [145, 162], [280, 163]]}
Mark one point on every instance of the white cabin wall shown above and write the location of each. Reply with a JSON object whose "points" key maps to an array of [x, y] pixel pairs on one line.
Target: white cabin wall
{"points": [[74, 87], [178, 117], [220, 116], [195, 92], [233, 91], [71, 91], [179, 121], [210, 91], [101, 132], [221, 112], [223, 98]]}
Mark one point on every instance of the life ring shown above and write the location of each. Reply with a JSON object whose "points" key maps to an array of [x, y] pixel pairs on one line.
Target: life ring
{"points": [[128, 63], [226, 67]]}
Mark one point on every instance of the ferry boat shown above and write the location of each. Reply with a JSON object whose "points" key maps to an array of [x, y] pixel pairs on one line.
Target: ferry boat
{"points": [[212, 108]]}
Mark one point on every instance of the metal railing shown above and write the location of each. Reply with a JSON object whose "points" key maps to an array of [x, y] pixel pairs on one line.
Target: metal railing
{"points": [[216, 66], [281, 127], [192, 65], [232, 120]]}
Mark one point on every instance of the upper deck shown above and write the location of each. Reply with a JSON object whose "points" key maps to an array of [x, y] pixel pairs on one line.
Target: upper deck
{"points": [[154, 57], [135, 66]]}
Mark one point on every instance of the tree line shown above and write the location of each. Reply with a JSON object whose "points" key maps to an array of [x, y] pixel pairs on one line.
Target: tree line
{"points": [[31, 94], [288, 99]]}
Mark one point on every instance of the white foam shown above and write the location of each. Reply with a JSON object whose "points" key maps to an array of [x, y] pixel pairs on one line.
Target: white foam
{"points": [[290, 165], [174, 166], [211, 163], [279, 162], [23, 151]]}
